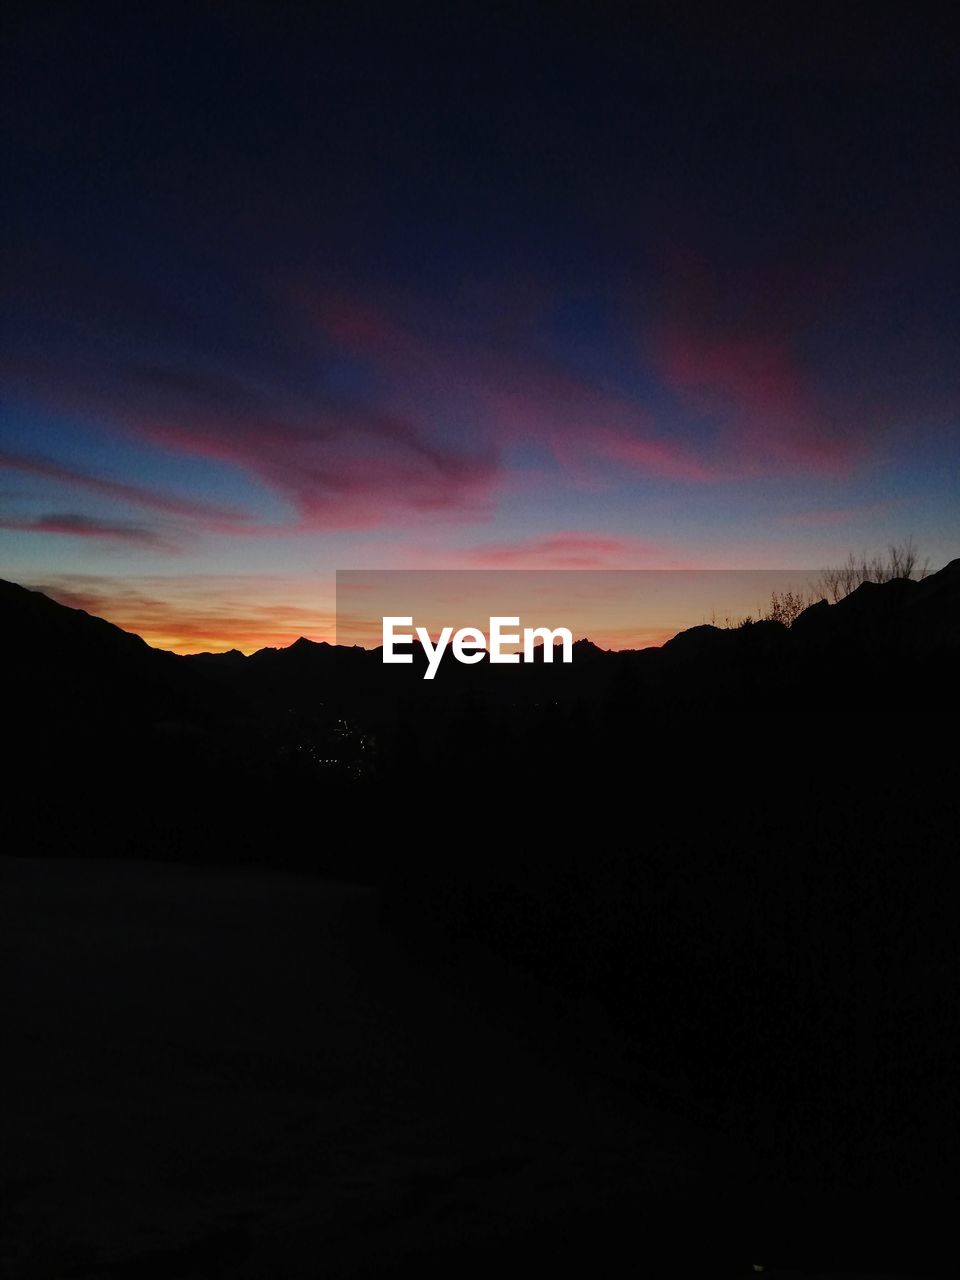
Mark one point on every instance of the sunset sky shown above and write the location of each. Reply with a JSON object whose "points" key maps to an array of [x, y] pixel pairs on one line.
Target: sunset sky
{"points": [[391, 287]]}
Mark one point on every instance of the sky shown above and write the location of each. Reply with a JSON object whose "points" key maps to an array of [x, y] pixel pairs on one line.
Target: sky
{"points": [[292, 290], [615, 608]]}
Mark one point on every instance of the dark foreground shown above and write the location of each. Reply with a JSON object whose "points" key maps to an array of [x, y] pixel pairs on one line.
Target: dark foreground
{"points": [[222, 1073], [240, 1073]]}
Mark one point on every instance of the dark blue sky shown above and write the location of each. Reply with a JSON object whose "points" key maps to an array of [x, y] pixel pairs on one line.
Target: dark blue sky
{"points": [[292, 289]]}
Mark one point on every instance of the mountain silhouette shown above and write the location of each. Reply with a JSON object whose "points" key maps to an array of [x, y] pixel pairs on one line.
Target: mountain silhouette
{"points": [[36, 629], [918, 616], [90, 703], [87, 685], [740, 846]]}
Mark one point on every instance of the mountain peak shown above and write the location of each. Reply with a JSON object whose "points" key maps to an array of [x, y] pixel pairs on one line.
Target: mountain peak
{"points": [[303, 645]]}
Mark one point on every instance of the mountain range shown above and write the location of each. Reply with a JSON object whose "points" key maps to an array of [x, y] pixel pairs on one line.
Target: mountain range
{"points": [[104, 725], [901, 614]]}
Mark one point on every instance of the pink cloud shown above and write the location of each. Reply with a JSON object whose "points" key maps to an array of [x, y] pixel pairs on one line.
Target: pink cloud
{"points": [[135, 493], [447, 406], [764, 414], [728, 345], [518, 396], [80, 526], [829, 517], [352, 323], [573, 550], [348, 469], [653, 457], [339, 466], [772, 417]]}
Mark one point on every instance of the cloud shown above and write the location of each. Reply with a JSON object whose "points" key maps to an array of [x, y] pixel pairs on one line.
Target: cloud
{"points": [[745, 404], [79, 526], [566, 551], [501, 379], [653, 457], [831, 516], [340, 465], [361, 412], [756, 387], [127, 492], [732, 344]]}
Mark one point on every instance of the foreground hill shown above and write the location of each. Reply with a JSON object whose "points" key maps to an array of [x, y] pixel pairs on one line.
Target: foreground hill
{"points": [[241, 1074], [740, 848], [97, 713], [60, 655]]}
